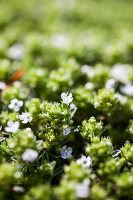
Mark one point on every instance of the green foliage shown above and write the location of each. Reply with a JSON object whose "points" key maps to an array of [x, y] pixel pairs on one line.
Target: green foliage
{"points": [[106, 101], [39, 192], [21, 141], [91, 128], [16, 91], [99, 150], [66, 100]]}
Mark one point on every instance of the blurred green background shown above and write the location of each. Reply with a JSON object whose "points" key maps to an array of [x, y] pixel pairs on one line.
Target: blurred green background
{"points": [[103, 26], [65, 15]]}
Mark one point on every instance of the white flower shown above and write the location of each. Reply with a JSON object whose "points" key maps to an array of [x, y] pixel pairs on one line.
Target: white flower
{"points": [[82, 190], [96, 104], [66, 153], [12, 127], [2, 85], [66, 98], [30, 155], [121, 98], [25, 117], [110, 84], [15, 104], [89, 86], [76, 130], [66, 131], [60, 41], [16, 52], [120, 72], [84, 161], [40, 72], [86, 69], [17, 83], [127, 89], [73, 109], [17, 188]]}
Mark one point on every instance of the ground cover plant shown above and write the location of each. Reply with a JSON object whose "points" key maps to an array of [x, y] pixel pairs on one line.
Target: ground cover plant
{"points": [[66, 100]]}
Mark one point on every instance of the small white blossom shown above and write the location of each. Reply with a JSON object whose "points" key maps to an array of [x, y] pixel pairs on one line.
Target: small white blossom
{"points": [[2, 85], [28, 129], [18, 174], [84, 161], [66, 153], [110, 84], [66, 98], [25, 117], [30, 155], [17, 83], [120, 72], [89, 86], [76, 130], [16, 52], [40, 72], [15, 104], [12, 127], [127, 89], [121, 98], [82, 190], [86, 69], [96, 104], [60, 41], [17, 188], [66, 131]]}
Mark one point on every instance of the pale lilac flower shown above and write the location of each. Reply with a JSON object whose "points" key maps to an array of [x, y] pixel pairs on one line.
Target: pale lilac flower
{"points": [[82, 190], [120, 72], [60, 41], [66, 153], [2, 85], [84, 161], [127, 89], [15, 105], [30, 155], [16, 52], [12, 127], [110, 84], [25, 117], [66, 131], [66, 98]]}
